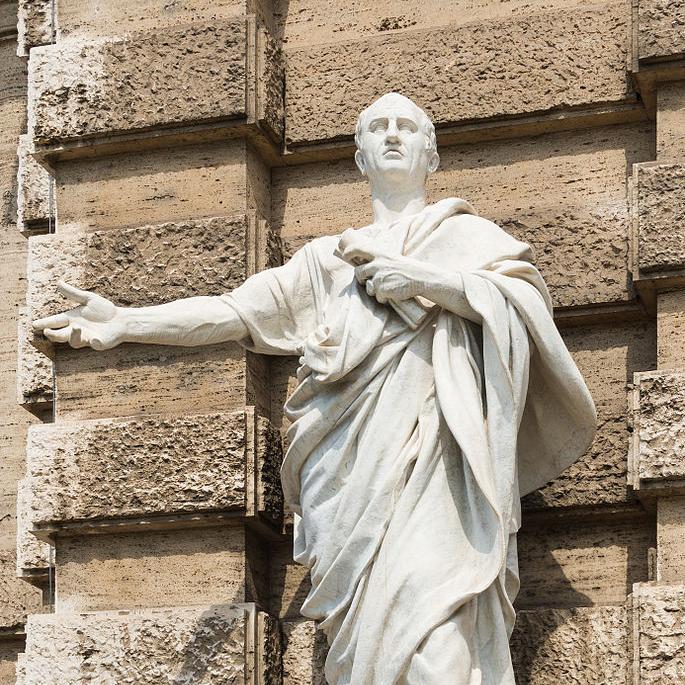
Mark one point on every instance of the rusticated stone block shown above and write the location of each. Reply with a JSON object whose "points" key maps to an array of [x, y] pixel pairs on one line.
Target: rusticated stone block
{"points": [[34, 24], [500, 68], [660, 218], [658, 450], [9, 650], [661, 28], [304, 653], [34, 186], [33, 555], [132, 468], [204, 645], [17, 598], [34, 368], [581, 646], [197, 73], [659, 615]]}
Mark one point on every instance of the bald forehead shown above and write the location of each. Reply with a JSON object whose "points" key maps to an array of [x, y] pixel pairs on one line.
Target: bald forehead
{"points": [[395, 107]]}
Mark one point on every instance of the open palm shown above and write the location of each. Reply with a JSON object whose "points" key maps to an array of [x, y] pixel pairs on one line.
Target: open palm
{"points": [[95, 323]]}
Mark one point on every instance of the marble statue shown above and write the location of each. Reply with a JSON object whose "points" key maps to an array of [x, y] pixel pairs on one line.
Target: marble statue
{"points": [[434, 391]]}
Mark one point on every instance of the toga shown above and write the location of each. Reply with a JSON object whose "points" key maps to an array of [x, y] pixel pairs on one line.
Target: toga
{"points": [[409, 448]]}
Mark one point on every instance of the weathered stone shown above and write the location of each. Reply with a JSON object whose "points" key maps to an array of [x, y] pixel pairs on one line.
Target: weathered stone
{"points": [[661, 29], [670, 122], [34, 369], [565, 194], [581, 646], [33, 555], [203, 645], [160, 78], [34, 204], [659, 633], [35, 24], [670, 320], [17, 598], [658, 430], [670, 547], [660, 215], [304, 653], [9, 650], [132, 468], [499, 68], [595, 563]]}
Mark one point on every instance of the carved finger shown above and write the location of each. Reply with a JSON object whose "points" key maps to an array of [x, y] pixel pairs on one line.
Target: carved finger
{"points": [[61, 335], [54, 321], [364, 273], [370, 290], [74, 293]]}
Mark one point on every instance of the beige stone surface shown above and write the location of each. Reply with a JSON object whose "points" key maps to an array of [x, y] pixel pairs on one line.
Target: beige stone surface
{"points": [[150, 569], [670, 121], [607, 356], [661, 28], [205, 645], [162, 465], [500, 68], [660, 633], [564, 193], [9, 649], [670, 318], [304, 653], [34, 369], [670, 523], [290, 583], [34, 187], [159, 186], [660, 214], [589, 563], [34, 24], [659, 428], [17, 598], [33, 555], [583, 646]]}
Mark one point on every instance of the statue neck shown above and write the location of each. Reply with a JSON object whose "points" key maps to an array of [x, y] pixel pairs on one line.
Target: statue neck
{"points": [[391, 204]]}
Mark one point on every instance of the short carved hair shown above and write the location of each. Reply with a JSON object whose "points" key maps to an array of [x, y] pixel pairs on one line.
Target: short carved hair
{"points": [[423, 120]]}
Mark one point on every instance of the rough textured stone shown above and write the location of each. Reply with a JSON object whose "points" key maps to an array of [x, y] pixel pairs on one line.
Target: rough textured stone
{"points": [[34, 368], [670, 547], [661, 28], [593, 563], [160, 78], [660, 633], [659, 427], [163, 568], [304, 653], [564, 193], [584, 646], [9, 650], [660, 212], [33, 555], [670, 121], [499, 68], [670, 320], [204, 645], [17, 598], [607, 357], [112, 469], [34, 24], [34, 206]]}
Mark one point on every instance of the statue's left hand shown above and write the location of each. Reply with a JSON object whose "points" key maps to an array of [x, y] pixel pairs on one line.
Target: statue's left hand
{"points": [[395, 277]]}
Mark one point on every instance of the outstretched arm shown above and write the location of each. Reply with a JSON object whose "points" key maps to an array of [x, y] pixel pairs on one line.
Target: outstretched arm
{"points": [[100, 324]]}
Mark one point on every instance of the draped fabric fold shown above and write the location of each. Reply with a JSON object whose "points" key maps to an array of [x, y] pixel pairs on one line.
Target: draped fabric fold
{"points": [[409, 449]]}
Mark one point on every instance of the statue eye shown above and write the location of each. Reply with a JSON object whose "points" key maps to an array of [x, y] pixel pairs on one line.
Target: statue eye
{"points": [[407, 126], [378, 126]]}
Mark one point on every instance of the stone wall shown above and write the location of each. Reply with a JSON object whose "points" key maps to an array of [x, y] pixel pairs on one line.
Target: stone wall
{"points": [[154, 150]]}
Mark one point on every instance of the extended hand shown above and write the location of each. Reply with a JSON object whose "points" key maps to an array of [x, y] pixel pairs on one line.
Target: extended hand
{"points": [[395, 278], [96, 322]]}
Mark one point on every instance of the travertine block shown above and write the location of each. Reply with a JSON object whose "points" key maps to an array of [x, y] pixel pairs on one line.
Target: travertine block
{"points": [[661, 29], [565, 194], [17, 598], [204, 645], [670, 122], [658, 448], [33, 555], [670, 319], [34, 369], [670, 547], [141, 467], [499, 68], [34, 25], [660, 214], [659, 616], [595, 563], [581, 646], [9, 650], [304, 653], [160, 78], [34, 187]]}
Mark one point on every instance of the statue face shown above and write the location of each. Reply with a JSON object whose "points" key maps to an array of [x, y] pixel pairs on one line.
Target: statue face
{"points": [[393, 144]]}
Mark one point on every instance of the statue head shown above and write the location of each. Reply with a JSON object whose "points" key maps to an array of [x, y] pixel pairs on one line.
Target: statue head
{"points": [[395, 142]]}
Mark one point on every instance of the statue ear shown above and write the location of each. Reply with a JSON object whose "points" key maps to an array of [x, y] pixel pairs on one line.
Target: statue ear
{"points": [[433, 162], [359, 161]]}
